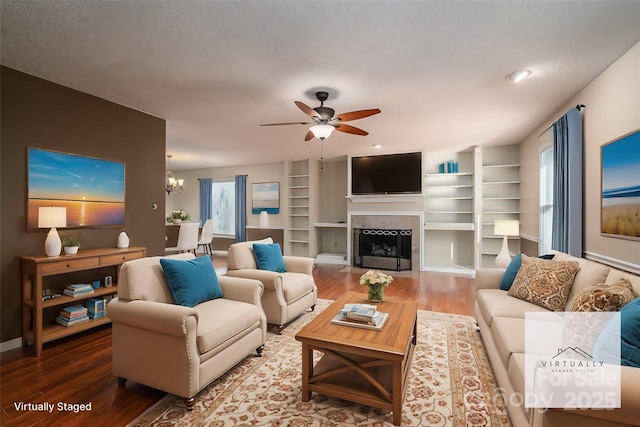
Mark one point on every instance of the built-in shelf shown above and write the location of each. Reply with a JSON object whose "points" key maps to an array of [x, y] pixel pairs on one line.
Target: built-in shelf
{"points": [[330, 224], [468, 226]]}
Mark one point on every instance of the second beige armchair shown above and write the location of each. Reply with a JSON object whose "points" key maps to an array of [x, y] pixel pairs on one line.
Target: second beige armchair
{"points": [[287, 294]]}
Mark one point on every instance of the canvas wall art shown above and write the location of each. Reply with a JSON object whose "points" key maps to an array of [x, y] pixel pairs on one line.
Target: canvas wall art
{"points": [[266, 197], [620, 213], [91, 189]]}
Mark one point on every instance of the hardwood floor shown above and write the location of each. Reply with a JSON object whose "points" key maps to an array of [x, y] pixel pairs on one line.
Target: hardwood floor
{"points": [[77, 370]]}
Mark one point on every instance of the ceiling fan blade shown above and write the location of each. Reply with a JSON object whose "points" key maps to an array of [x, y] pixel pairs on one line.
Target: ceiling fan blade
{"points": [[286, 123], [350, 129], [355, 115], [307, 110], [309, 136]]}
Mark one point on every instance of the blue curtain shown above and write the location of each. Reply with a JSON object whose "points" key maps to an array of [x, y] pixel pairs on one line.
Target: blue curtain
{"points": [[241, 208], [206, 213], [567, 184]]}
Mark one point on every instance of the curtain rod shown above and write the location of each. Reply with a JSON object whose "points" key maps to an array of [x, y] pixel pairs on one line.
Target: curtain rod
{"points": [[579, 107]]}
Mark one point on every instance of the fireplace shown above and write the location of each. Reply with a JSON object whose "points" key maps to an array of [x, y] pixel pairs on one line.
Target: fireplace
{"points": [[384, 249]]}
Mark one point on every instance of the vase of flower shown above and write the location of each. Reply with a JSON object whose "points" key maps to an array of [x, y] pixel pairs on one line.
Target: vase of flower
{"points": [[376, 281], [177, 221], [176, 217]]}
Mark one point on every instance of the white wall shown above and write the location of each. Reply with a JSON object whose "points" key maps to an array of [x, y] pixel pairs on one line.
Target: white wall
{"points": [[612, 103]]}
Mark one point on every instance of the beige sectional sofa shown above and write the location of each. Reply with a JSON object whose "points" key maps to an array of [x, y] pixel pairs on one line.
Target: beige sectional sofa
{"points": [[500, 318]]}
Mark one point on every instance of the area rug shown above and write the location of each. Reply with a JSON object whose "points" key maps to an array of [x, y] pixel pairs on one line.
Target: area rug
{"points": [[450, 384]]}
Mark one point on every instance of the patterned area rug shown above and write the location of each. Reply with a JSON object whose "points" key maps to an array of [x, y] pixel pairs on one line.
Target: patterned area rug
{"points": [[450, 384]]}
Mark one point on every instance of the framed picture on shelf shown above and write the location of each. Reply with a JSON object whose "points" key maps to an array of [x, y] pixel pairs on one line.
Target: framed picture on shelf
{"points": [[265, 197], [91, 189], [620, 195]]}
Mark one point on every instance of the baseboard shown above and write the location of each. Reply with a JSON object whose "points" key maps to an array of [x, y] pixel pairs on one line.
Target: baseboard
{"points": [[11, 344], [613, 262]]}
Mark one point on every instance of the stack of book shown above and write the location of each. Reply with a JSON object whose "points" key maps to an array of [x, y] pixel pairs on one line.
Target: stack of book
{"points": [[78, 290], [96, 308], [361, 315], [72, 315]]}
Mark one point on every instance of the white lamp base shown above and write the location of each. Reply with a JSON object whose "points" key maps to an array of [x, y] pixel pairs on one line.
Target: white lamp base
{"points": [[504, 258], [53, 244]]}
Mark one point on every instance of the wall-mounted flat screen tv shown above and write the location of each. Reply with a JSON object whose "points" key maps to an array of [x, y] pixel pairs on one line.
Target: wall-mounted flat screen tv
{"points": [[387, 174]]}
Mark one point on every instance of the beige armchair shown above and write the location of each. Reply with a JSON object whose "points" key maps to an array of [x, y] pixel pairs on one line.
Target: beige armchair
{"points": [[286, 295], [175, 348]]}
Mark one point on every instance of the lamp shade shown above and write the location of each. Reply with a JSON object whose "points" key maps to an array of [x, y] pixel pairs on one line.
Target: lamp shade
{"points": [[506, 228], [50, 217], [321, 131]]}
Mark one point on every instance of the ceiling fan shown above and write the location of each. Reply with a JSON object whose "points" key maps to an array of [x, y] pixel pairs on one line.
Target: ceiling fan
{"points": [[325, 121]]}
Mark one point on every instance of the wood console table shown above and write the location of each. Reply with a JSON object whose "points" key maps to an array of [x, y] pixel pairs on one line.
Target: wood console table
{"points": [[51, 271]]}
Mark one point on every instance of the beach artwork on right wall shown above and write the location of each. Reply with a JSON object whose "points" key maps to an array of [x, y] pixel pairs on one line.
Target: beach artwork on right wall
{"points": [[620, 213]]}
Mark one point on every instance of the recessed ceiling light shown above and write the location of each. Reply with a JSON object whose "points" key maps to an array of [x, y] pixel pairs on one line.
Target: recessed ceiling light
{"points": [[377, 145], [518, 76]]}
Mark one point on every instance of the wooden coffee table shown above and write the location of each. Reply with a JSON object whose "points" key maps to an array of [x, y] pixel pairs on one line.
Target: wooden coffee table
{"points": [[360, 365]]}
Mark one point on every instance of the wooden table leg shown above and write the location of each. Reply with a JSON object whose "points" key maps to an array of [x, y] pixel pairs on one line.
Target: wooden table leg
{"points": [[396, 393], [307, 371]]}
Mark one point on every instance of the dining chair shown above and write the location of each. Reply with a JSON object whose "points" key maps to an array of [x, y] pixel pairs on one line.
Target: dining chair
{"points": [[206, 237], [187, 238]]}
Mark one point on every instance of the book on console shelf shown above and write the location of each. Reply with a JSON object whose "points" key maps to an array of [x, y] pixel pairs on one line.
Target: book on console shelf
{"points": [[70, 322], [78, 290]]}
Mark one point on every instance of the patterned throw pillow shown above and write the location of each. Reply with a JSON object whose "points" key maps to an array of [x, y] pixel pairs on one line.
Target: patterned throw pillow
{"points": [[601, 297], [544, 283]]}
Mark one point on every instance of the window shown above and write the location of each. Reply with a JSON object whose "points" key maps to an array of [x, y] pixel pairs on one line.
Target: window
{"points": [[223, 201], [546, 199]]}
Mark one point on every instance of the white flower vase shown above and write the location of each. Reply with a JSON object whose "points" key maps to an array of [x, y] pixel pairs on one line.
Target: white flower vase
{"points": [[263, 220], [123, 241], [177, 221]]}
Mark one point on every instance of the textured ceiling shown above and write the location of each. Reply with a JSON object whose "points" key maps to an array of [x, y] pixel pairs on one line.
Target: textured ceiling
{"points": [[216, 70]]}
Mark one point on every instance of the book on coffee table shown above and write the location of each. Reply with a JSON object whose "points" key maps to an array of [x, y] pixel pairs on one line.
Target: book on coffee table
{"points": [[376, 324]]}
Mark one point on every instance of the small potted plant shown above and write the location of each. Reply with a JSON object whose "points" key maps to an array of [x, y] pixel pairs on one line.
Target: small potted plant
{"points": [[71, 245], [178, 216]]}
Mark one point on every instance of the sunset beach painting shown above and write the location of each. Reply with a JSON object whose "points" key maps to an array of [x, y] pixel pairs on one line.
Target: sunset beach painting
{"points": [[620, 215], [91, 189]]}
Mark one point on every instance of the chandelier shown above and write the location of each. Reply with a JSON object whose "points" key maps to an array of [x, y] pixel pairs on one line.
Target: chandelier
{"points": [[173, 185]]}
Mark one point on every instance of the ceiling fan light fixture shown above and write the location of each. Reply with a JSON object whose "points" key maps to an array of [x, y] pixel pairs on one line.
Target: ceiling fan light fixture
{"points": [[321, 132], [518, 76]]}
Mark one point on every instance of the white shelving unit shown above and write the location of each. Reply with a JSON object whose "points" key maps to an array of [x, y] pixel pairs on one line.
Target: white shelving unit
{"points": [[500, 199], [331, 256], [297, 236], [449, 227]]}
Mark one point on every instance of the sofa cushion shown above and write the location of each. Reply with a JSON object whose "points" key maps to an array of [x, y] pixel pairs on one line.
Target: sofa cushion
{"points": [[296, 285], [221, 321], [590, 272], [615, 276], [240, 255], [494, 303], [544, 283], [192, 281], [269, 257], [628, 338], [508, 335], [603, 297], [511, 272]]}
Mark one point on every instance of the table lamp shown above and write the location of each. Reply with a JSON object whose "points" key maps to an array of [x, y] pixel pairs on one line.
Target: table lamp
{"points": [[505, 228], [52, 217]]}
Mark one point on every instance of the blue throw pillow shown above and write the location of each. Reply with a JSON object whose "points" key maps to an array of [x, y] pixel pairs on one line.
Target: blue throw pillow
{"points": [[191, 282], [269, 257], [628, 340], [510, 273]]}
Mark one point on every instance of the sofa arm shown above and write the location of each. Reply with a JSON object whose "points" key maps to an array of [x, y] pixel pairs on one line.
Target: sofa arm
{"points": [[167, 319], [241, 289], [488, 278], [268, 278], [298, 264]]}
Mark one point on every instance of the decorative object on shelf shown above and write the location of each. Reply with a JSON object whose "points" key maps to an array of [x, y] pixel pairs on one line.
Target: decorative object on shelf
{"points": [[505, 228], [54, 178], [108, 281], [263, 220], [173, 185], [178, 216], [376, 282], [52, 217], [71, 245], [265, 197], [123, 241]]}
